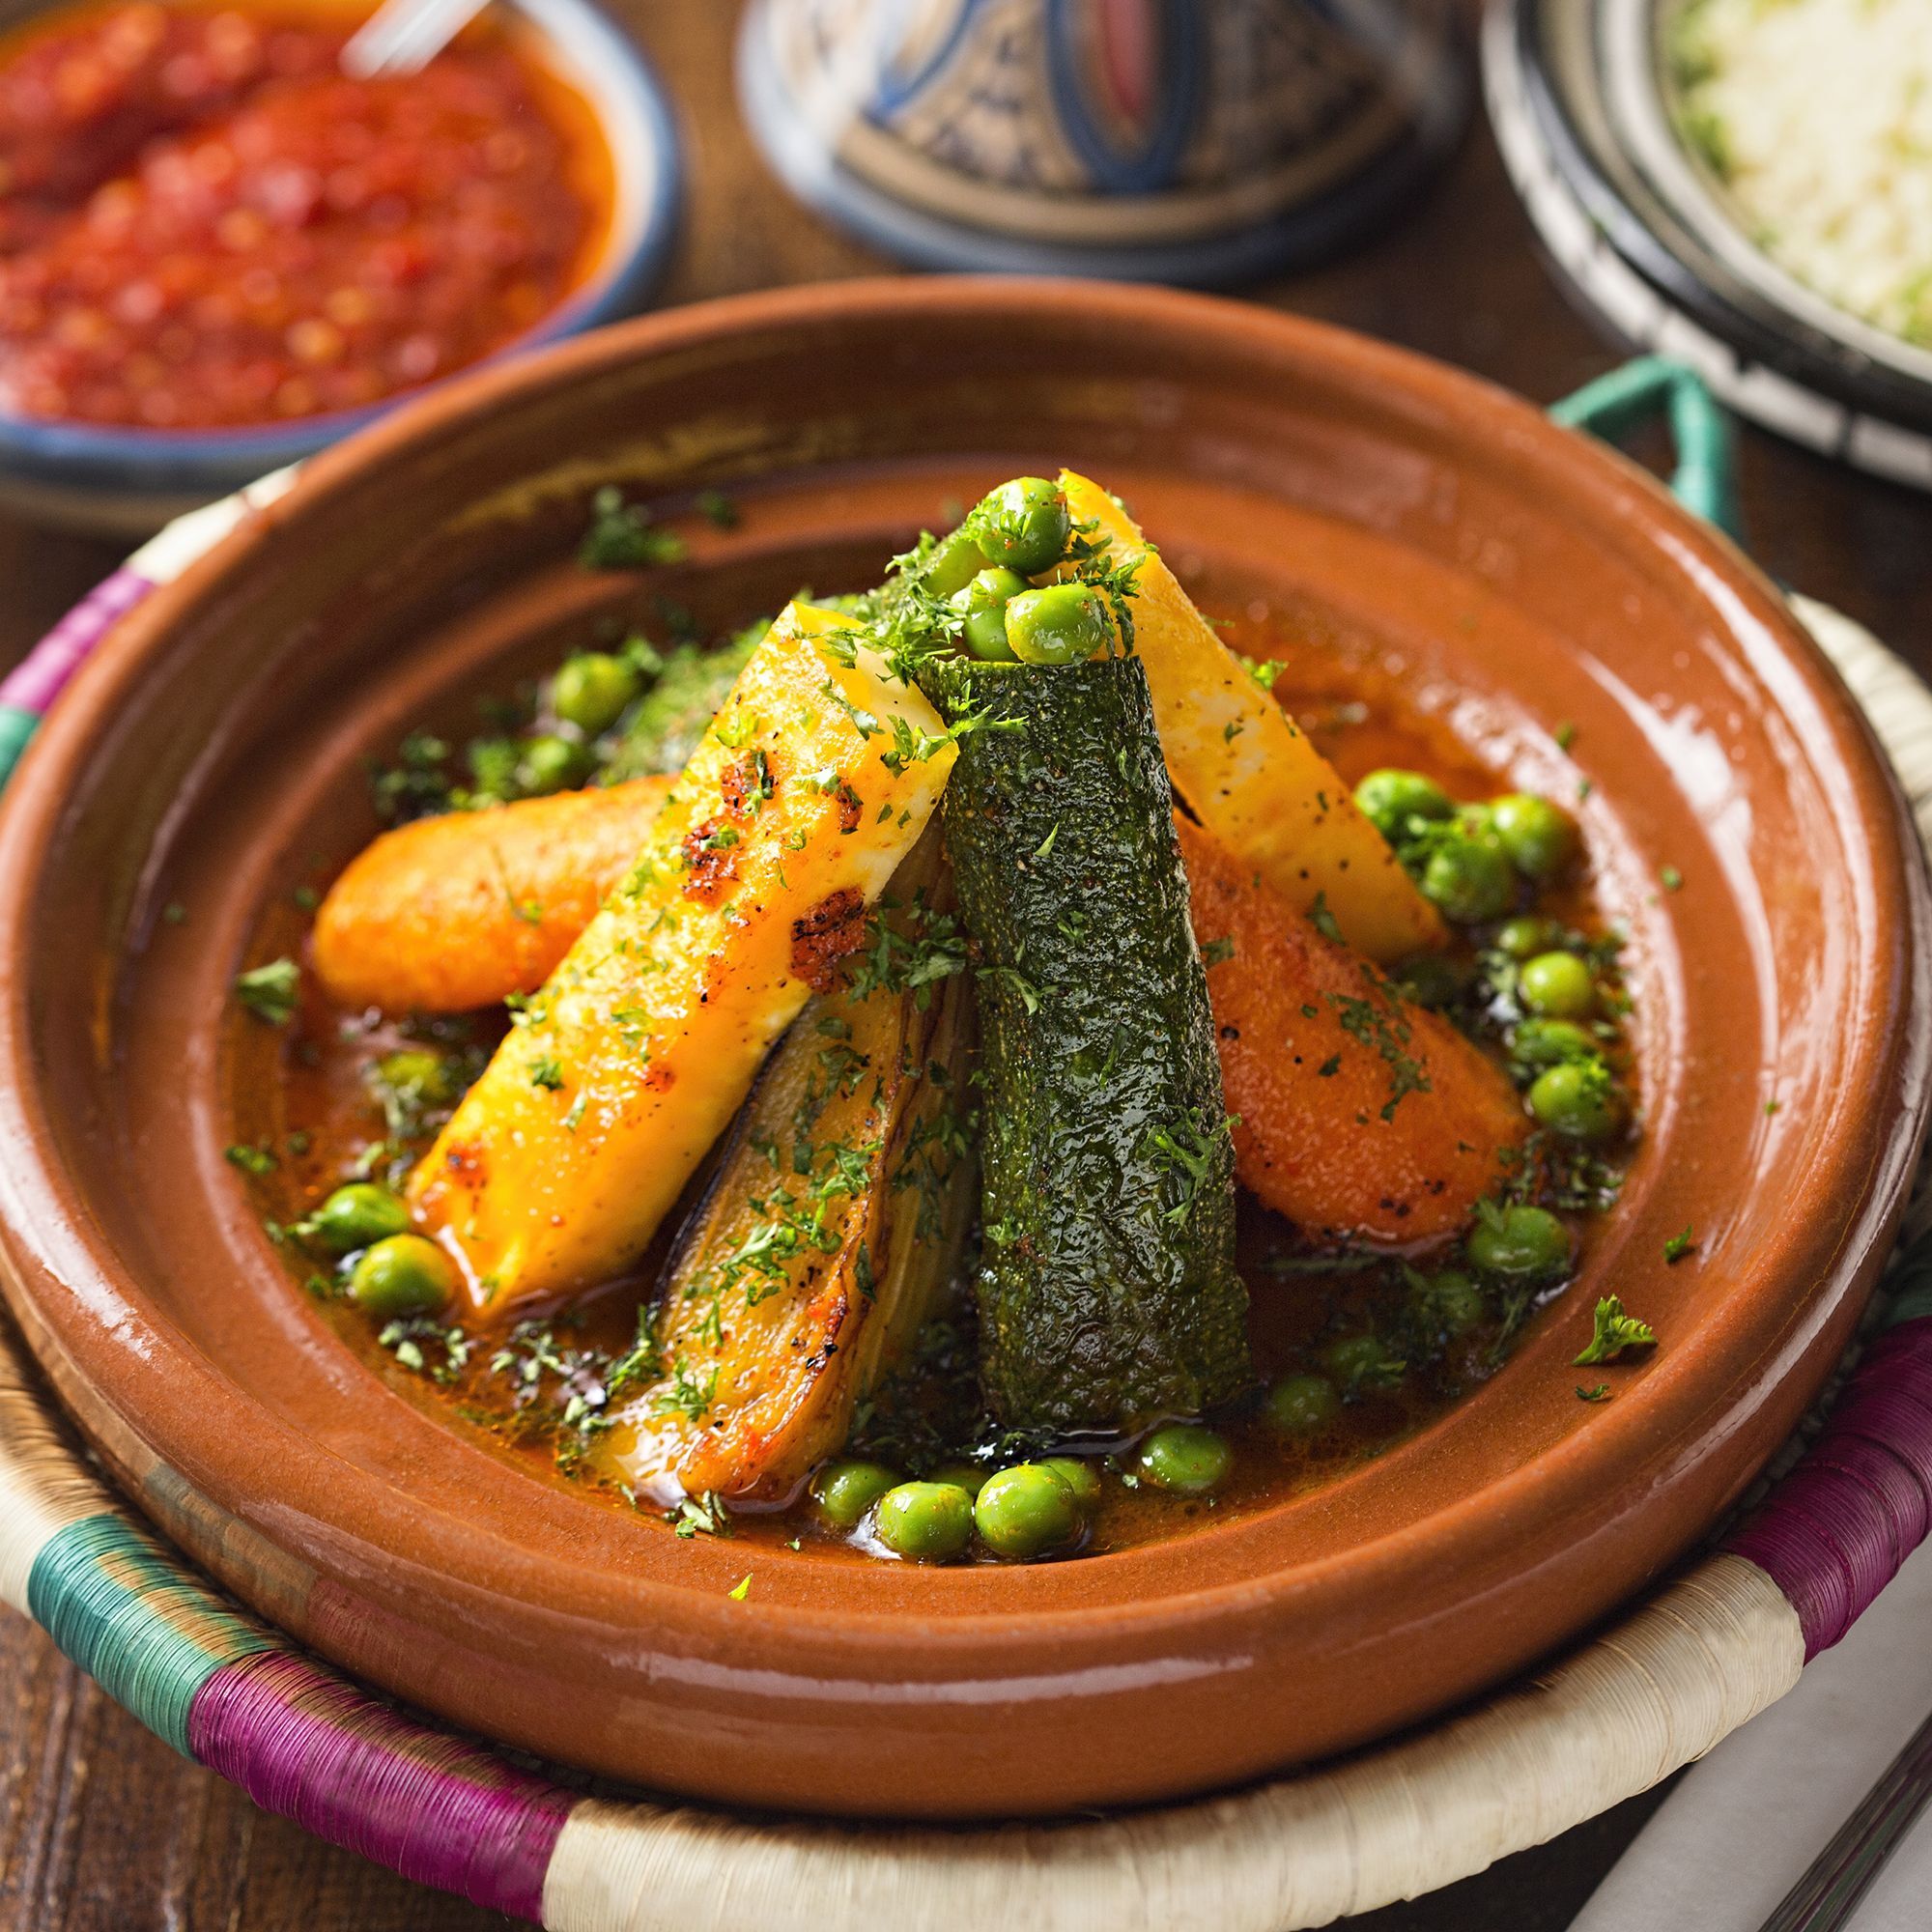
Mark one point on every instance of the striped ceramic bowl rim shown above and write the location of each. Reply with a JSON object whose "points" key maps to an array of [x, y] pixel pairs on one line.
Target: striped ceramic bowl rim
{"points": [[1572, 94]]}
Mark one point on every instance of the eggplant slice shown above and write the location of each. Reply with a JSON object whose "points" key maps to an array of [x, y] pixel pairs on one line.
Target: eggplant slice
{"points": [[832, 1228]]}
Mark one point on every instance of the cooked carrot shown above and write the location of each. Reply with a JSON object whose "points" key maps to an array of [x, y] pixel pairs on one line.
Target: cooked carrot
{"points": [[1360, 1114], [465, 910]]}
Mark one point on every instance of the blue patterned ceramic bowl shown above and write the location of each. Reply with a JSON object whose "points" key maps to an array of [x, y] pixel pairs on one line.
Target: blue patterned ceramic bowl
{"points": [[1203, 141]]}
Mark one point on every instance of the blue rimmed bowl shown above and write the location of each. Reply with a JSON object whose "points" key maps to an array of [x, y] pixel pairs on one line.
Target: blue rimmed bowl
{"points": [[131, 481]]}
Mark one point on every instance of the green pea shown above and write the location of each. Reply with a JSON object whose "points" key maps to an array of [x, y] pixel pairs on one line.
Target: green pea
{"points": [[1361, 1361], [405, 1274], [1186, 1458], [1577, 1099], [846, 1490], [355, 1216], [984, 604], [1549, 1042], [1391, 798], [955, 561], [1430, 980], [1079, 1476], [1449, 1302], [1023, 524], [967, 1476], [1532, 933], [1541, 839], [591, 690], [550, 764], [1027, 1510], [1302, 1405], [1065, 623], [1522, 1243], [1557, 985], [926, 1522], [416, 1076], [1470, 877]]}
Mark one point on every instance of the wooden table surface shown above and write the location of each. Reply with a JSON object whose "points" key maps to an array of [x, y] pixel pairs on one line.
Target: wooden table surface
{"points": [[102, 1826]]}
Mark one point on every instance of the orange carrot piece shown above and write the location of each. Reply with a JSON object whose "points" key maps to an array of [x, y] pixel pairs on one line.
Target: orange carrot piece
{"points": [[464, 910], [1362, 1116]]}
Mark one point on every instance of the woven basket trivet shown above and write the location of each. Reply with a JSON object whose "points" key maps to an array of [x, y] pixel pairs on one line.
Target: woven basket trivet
{"points": [[1660, 1687]]}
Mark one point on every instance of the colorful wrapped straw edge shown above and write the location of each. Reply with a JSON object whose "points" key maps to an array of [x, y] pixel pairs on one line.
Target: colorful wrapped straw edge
{"points": [[1678, 1673]]}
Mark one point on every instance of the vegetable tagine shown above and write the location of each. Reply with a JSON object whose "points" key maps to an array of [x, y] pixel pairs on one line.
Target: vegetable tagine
{"points": [[993, 1067]]}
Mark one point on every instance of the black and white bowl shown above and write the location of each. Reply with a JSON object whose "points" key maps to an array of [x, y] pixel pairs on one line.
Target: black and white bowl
{"points": [[1579, 93]]}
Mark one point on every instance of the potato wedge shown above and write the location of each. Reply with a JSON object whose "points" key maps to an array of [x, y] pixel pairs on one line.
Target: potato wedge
{"points": [[469, 908], [1247, 772], [832, 1228], [1359, 1115], [815, 780]]}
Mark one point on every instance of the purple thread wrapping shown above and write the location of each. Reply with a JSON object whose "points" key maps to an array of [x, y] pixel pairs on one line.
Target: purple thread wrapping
{"points": [[1834, 1531], [39, 678], [307, 1745]]}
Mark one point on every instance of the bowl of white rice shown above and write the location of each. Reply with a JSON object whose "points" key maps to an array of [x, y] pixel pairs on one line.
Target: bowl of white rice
{"points": [[1746, 185]]}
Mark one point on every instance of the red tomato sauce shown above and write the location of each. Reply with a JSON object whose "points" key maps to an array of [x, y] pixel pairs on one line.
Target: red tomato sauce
{"points": [[204, 223]]}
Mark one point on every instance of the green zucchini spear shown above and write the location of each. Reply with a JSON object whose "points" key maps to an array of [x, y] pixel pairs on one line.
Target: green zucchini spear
{"points": [[1107, 1289]]}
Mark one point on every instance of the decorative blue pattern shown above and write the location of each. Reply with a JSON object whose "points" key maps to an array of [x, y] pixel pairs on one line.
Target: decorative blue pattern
{"points": [[1178, 69]]}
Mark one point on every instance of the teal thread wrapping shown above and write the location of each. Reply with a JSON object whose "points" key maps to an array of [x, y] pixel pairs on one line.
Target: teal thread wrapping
{"points": [[129, 1617], [16, 727], [1705, 479]]}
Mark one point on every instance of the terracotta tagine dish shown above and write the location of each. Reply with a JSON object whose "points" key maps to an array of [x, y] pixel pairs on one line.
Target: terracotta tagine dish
{"points": [[1369, 1225]]}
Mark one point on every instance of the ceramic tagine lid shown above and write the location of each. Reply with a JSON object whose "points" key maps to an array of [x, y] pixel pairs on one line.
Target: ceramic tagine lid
{"points": [[1198, 141]]}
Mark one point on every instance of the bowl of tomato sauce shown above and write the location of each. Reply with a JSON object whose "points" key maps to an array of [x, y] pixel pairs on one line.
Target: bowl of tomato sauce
{"points": [[221, 251]]}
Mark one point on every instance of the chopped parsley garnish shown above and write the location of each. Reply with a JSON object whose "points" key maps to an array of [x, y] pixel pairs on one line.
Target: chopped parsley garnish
{"points": [[1264, 670], [700, 1516], [1324, 920], [1378, 1023], [1678, 1246], [1615, 1331], [687, 1395], [250, 1159], [911, 952], [1194, 1150], [622, 536], [1671, 879], [1011, 976], [1601, 1392], [270, 992], [1218, 952]]}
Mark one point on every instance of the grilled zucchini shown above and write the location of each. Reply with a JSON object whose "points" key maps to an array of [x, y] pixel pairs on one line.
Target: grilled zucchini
{"points": [[1107, 1289]]}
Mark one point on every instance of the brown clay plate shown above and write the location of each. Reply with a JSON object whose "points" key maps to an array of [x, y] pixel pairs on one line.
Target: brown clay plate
{"points": [[212, 753]]}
